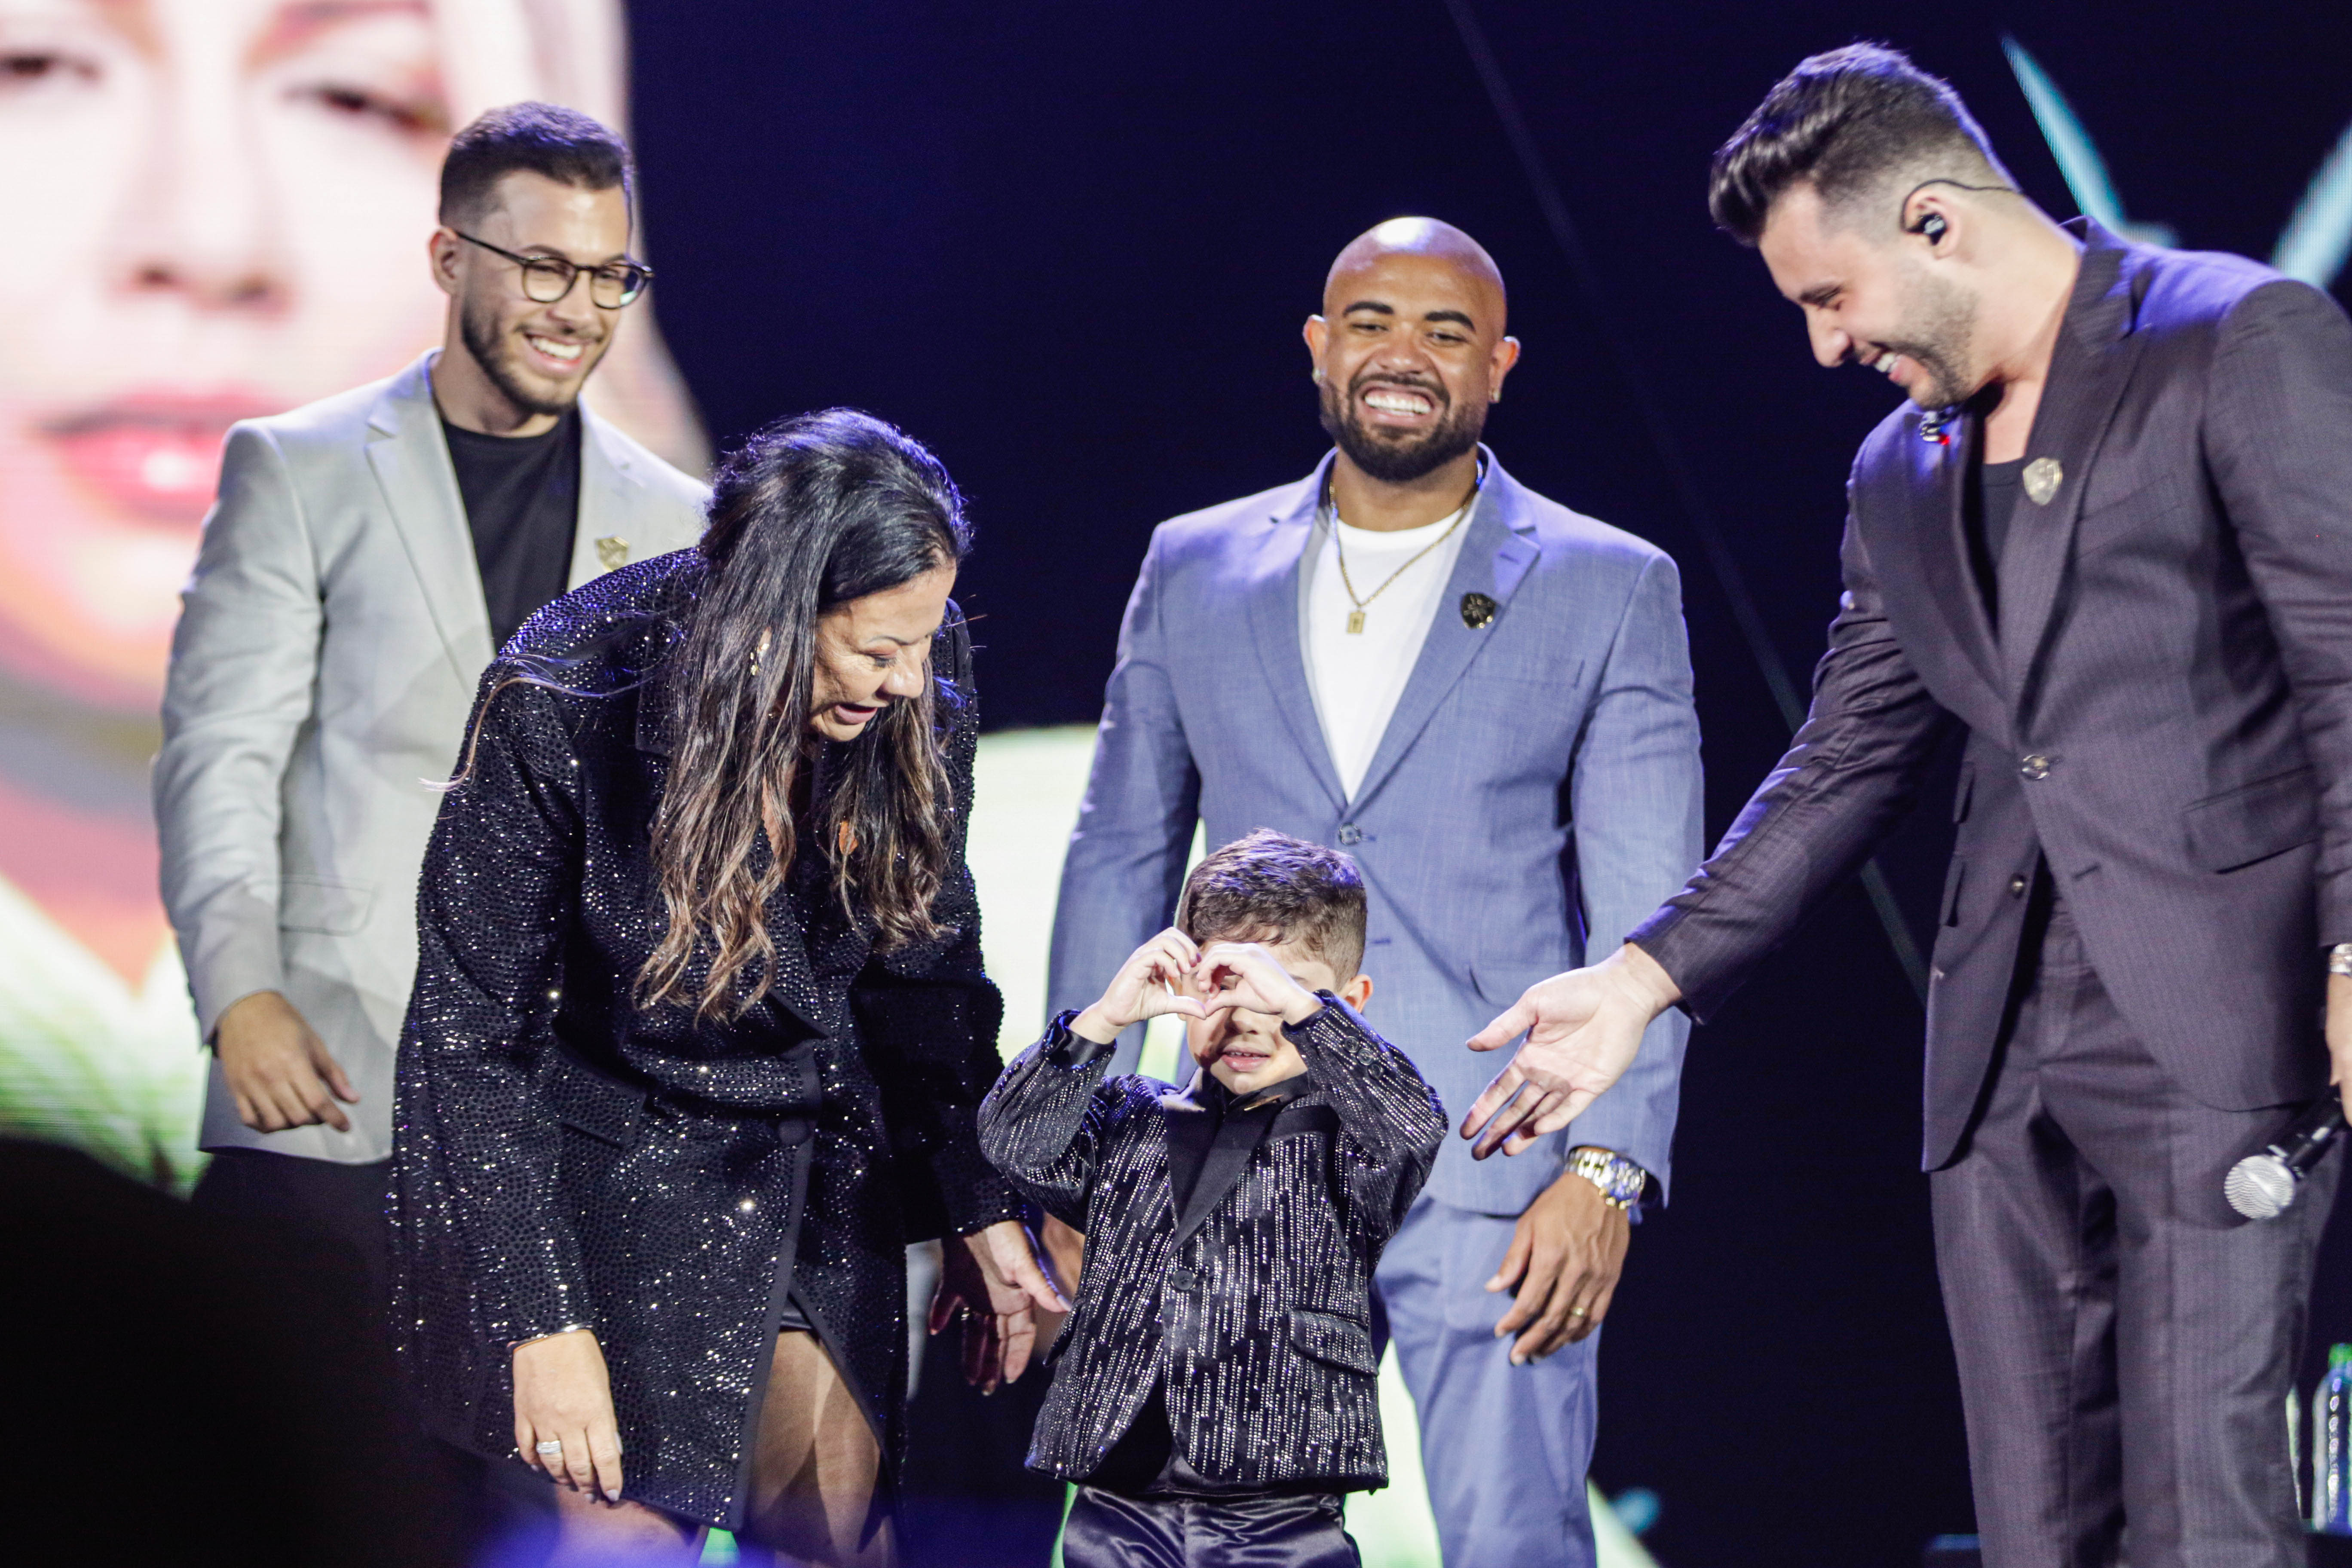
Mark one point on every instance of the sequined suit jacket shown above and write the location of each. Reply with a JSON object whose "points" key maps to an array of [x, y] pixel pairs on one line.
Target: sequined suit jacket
{"points": [[1250, 1307], [563, 1158]]}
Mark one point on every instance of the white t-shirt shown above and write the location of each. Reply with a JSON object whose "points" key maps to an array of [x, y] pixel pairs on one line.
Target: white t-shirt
{"points": [[1357, 677]]}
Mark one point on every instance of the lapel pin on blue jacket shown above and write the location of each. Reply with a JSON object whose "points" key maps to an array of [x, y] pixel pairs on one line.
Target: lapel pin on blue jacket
{"points": [[1478, 611]]}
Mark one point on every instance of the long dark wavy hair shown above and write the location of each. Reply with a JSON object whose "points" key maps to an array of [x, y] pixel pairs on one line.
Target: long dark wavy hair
{"points": [[810, 513]]}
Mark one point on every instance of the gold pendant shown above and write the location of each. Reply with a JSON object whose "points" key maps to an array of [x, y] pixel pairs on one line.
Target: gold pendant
{"points": [[1355, 622]]}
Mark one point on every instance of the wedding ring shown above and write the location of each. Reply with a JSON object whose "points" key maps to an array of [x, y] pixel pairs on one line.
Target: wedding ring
{"points": [[1576, 1311], [553, 1446]]}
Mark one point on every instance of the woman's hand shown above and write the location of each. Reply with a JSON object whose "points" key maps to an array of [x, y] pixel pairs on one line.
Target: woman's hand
{"points": [[563, 1395], [991, 1278], [1148, 984]]}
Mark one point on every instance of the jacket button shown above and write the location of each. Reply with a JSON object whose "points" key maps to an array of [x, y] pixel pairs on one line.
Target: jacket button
{"points": [[1350, 833], [1183, 1278], [2036, 766], [2017, 886]]}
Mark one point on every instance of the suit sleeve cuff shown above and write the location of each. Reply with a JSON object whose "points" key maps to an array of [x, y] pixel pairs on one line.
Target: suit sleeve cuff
{"points": [[231, 973], [1065, 1049]]}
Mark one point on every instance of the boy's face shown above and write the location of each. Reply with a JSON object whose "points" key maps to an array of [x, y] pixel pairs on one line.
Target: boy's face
{"points": [[1246, 1051]]}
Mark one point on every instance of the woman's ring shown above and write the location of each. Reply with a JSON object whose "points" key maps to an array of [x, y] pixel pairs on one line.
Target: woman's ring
{"points": [[553, 1446]]}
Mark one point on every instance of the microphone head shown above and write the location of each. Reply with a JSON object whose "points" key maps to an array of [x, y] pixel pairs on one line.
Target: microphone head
{"points": [[2261, 1187]]}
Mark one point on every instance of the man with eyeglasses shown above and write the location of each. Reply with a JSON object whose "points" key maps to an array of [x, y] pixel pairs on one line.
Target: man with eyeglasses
{"points": [[366, 557]]}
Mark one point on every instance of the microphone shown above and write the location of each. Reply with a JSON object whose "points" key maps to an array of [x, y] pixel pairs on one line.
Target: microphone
{"points": [[2263, 1187]]}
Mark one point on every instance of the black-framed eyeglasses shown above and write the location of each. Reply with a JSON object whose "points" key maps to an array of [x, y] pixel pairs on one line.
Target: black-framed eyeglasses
{"points": [[547, 278]]}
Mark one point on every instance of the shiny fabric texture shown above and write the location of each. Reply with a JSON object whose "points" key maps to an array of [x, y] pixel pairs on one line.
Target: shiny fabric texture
{"points": [[563, 1158], [1252, 1311], [1106, 1530]]}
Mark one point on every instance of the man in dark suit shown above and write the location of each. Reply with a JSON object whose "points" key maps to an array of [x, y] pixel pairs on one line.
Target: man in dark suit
{"points": [[2111, 537]]}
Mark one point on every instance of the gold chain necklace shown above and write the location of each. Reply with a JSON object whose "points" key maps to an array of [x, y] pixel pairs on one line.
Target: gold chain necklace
{"points": [[1356, 616]]}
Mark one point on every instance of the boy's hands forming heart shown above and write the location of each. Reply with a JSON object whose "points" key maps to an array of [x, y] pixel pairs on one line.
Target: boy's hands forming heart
{"points": [[1154, 979], [1245, 974]]}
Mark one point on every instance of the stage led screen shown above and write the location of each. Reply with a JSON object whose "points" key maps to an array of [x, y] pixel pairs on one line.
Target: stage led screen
{"points": [[219, 208]]}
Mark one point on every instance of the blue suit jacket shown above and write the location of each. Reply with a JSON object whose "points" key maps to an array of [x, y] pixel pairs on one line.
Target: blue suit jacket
{"points": [[1539, 780]]}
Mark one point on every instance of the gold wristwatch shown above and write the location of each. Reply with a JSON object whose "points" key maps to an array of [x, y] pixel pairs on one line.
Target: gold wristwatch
{"points": [[1619, 1180]]}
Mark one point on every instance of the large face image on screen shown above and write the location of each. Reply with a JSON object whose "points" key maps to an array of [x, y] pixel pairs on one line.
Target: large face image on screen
{"points": [[217, 209]]}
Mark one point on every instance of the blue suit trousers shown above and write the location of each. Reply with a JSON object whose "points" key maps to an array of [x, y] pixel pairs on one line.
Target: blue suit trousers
{"points": [[1504, 1447]]}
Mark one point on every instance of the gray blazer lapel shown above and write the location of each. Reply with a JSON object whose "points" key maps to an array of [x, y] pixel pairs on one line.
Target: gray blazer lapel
{"points": [[1270, 596], [411, 465], [2088, 372], [610, 493], [1496, 555]]}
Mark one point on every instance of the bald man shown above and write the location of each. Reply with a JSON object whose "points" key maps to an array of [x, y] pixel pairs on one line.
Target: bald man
{"points": [[1485, 699]]}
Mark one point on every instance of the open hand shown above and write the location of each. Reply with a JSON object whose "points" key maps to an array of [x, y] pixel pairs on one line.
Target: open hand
{"points": [[991, 1279], [279, 1069], [1151, 983], [1583, 1028], [1245, 974]]}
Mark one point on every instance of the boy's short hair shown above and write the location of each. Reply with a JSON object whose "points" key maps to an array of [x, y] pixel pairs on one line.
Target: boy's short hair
{"points": [[567, 147], [1269, 887]]}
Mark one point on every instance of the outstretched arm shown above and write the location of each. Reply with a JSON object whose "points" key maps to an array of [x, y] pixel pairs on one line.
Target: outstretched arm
{"points": [[1849, 776]]}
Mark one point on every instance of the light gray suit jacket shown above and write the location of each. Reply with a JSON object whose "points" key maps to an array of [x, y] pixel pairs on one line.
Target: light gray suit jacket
{"points": [[321, 677], [1538, 780]]}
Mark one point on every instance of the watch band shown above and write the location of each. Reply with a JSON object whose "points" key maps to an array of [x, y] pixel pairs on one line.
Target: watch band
{"points": [[1619, 1180]]}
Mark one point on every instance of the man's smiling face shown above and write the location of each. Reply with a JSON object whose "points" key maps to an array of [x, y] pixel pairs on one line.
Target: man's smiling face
{"points": [[1873, 298], [1411, 351], [538, 355]]}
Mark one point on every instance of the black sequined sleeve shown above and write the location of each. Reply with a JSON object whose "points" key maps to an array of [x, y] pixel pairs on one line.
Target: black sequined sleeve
{"points": [[930, 1017], [1391, 1122], [1043, 1124], [494, 907]]}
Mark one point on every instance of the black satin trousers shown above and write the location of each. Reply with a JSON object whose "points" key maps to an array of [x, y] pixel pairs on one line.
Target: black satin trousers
{"points": [[1107, 1530]]}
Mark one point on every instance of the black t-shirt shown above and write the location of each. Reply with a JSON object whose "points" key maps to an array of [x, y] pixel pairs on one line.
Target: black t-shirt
{"points": [[1989, 505], [522, 502]]}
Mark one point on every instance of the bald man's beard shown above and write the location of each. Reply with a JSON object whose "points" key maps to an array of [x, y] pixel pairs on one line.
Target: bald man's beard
{"points": [[1398, 458]]}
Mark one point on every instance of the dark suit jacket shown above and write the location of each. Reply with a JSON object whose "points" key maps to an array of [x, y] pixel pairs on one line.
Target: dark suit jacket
{"points": [[1252, 1304], [2166, 712]]}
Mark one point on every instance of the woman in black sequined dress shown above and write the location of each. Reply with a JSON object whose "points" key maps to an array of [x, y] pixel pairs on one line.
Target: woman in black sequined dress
{"points": [[671, 1104]]}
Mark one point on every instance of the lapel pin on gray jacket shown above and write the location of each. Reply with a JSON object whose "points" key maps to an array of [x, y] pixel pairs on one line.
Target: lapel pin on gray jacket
{"points": [[2043, 478], [1477, 611]]}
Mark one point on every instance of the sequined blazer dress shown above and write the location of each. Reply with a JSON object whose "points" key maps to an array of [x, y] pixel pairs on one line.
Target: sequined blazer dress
{"points": [[564, 1159], [1244, 1308]]}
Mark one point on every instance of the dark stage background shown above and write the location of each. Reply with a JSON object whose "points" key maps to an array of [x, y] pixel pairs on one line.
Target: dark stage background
{"points": [[1071, 246]]}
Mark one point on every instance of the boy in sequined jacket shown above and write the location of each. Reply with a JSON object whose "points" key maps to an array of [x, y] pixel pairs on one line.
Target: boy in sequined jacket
{"points": [[1215, 1384]]}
